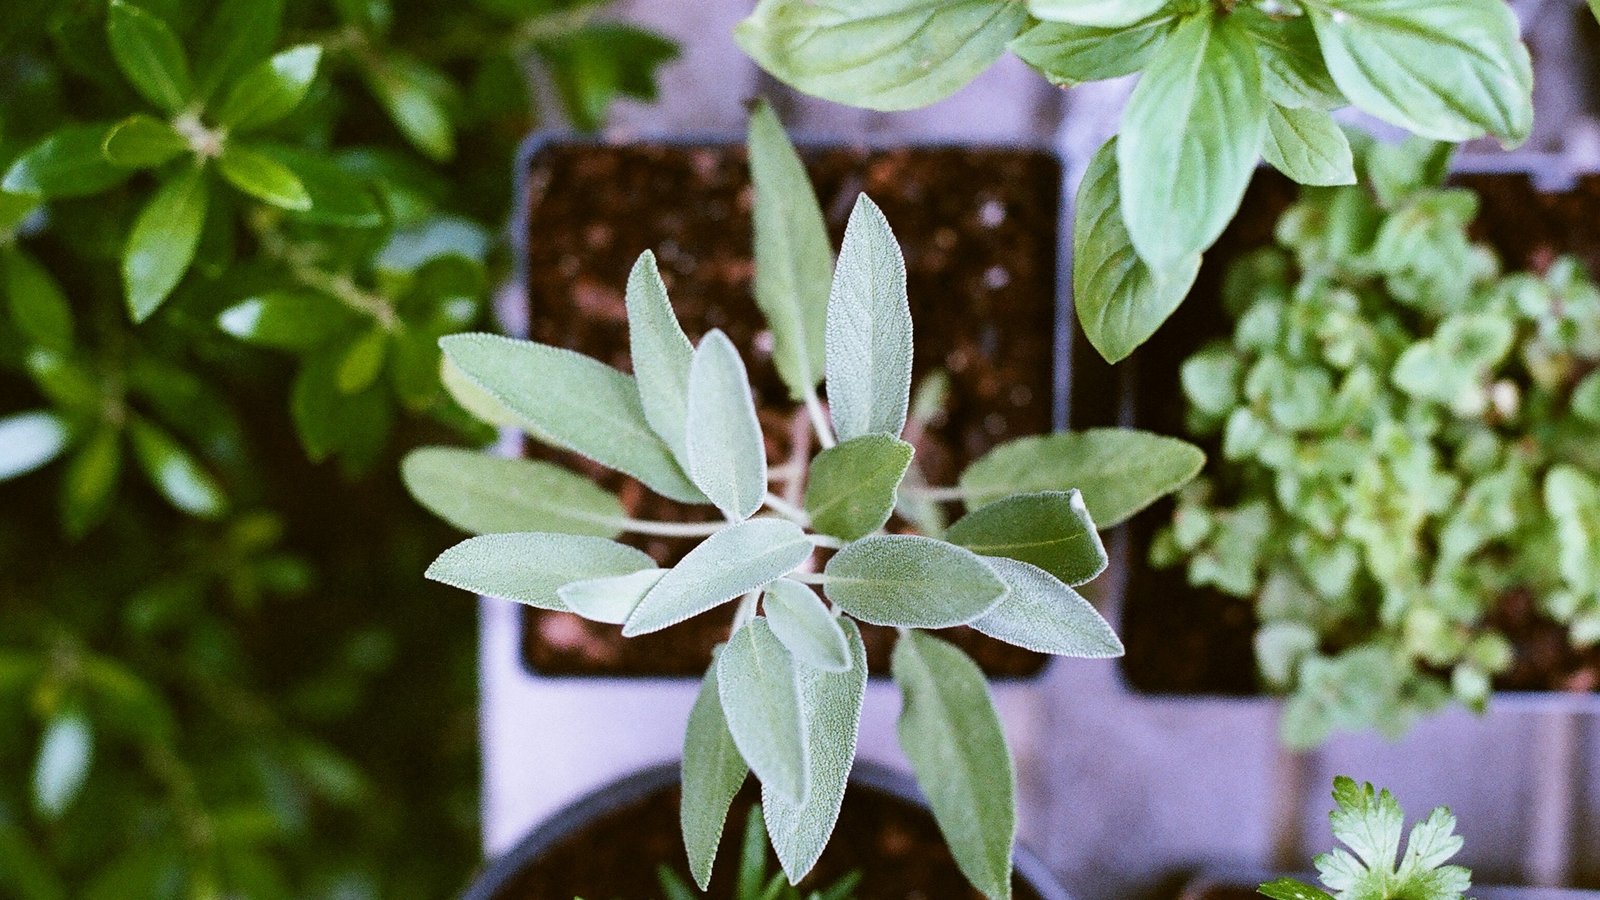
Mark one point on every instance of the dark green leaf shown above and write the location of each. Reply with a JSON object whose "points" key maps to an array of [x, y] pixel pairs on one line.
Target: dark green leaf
{"points": [[163, 242], [485, 494], [532, 567], [1290, 889], [287, 320], [38, 308], [263, 177], [362, 361], [951, 733], [141, 141], [271, 90], [90, 482], [760, 695], [415, 97], [338, 197], [851, 488], [911, 581], [1191, 136], [1049, 529], [150, 56], [593, 65], [68, 163], [1121, 300], [237, 34], [713, 771], [176, 473], [29, 440]]}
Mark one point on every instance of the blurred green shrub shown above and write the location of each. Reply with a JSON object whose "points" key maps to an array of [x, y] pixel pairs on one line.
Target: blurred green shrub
{"points": [[1408, 445], [230, 235]]}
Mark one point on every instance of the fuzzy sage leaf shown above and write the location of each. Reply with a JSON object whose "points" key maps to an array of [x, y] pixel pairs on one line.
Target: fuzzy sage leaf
{"points": [[1049, 529], [661, 354], [851, 489], [735, 560], [713, 771], [911, 581], [610, 599], [794, 261], [804, 624], [868, 337], [760, 696], [726, 453], [831, 702], [1043, 614], [951, 733], [485, 494], [573, 402], [1119, 470], [532, 567]]}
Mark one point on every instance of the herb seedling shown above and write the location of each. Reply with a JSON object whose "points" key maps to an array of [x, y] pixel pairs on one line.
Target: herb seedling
{"points": [[1222, 85], [757, 881], [784, 695], [1369, 822], [1407, 443]]}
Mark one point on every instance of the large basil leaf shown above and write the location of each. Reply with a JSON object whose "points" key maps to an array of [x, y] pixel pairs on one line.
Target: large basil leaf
{"points": [[1191, 136], [1072, 54], [1308, 146], [1121, 300], [879, 54], [1448, 71], [1096, 13]]}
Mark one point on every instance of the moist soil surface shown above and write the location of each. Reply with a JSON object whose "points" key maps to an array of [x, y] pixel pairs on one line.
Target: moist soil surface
{"points": [[979, 231], [894, 845], [1183, 640]]}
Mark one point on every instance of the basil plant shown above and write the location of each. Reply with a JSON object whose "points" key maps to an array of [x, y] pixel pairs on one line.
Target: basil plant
{"points": [[1408, 450], [802, 552], [1222, 85]]}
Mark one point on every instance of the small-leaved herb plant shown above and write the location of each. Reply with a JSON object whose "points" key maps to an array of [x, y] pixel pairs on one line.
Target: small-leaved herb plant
{"points": [[1408, 442], [1370, 823], [1222, 84], [783, 697]]}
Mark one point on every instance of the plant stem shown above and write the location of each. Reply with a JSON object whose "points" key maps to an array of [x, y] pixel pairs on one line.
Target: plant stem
{"points": [[936, 494], [746, 611], [819, 419], [666, 529], [823, 540], [786, 509], [807, 577]]}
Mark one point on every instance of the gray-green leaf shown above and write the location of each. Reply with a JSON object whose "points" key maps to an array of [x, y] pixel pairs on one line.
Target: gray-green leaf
{"points": [[879, 54], [852, 485], [760, 695], [727, 456], [532, 567], [794, 261], [162, 243], [1050, 529], [1308, 146], [1119, 470], [29, 440], [735, 560], [802, 621], [1191, 136], [951, 733], [831, 703], [1097, 13], [38, 307], [485, 494], [1448, 71], [911, 581], [1073, 54], [1121, 300], [1043, 614], [868, 337], [713, 771], [661, 354], [149, 55], [573, 402], [610, 599]]}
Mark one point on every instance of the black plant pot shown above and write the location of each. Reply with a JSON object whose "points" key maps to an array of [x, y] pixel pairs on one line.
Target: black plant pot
{"points": [[878, 797]]}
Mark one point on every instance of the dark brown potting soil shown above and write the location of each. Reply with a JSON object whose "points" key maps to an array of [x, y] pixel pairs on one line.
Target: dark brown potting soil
{"points": [[1182, 640], [894, 845], [978, 228]]}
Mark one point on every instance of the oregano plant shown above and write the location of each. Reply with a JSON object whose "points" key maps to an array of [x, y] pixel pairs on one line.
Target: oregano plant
{"points": [[1222, 85], [803, 553]]}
